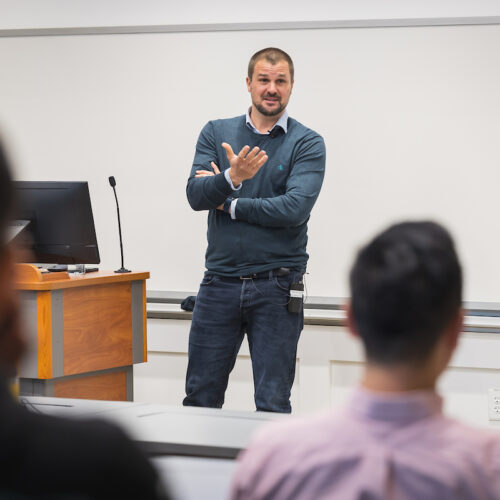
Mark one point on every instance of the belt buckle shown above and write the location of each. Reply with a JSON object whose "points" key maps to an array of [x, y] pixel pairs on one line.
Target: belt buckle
{"points": [[283, 271], [248, 277]]}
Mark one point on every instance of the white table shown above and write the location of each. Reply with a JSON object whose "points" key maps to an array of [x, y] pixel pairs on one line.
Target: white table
{"points": [[166, 430], [190, 478]]}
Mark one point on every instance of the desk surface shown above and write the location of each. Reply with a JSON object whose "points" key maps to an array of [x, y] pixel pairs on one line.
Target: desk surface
{"points": [[79, 280], [166, 430]]}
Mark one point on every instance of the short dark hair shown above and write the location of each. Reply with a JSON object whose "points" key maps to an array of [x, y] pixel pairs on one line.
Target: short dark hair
{"points": [[6, 195], [406, 287], [273, 55]]}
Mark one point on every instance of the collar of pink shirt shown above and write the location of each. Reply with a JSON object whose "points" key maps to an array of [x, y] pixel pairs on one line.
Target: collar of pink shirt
{"points": [[400, 407]]}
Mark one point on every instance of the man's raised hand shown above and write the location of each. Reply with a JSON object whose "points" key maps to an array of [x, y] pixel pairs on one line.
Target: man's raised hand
{"points": [[245, 164]]}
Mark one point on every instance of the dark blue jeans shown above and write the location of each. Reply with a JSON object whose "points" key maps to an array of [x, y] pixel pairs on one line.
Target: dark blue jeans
{"points": [[226, 309]]}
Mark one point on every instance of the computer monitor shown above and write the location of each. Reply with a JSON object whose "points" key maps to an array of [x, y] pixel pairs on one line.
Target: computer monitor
{"points": [[60, 218]]}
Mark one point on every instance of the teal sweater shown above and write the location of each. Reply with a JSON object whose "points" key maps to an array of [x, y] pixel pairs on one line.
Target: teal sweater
{"points": [[270, 230]]}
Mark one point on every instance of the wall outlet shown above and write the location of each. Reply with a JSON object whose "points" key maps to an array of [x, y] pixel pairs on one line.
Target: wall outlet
{"points": [[494, 404]]}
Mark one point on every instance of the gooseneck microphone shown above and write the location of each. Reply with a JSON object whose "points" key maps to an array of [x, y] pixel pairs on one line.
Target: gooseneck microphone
{"points": [[112, 183]]}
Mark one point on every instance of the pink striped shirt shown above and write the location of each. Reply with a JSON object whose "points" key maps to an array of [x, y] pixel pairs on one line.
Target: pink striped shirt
{"points": [[381, 446]]}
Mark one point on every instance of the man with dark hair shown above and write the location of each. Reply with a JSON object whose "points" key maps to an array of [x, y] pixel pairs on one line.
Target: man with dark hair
{"points": [[48, 457], [257, 236], [406, 287], [272, 55], [391, 440]]}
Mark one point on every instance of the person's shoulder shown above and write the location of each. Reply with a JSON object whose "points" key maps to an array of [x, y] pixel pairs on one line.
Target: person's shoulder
{"points": [[461, 443], [290, 448], [303, 435], [222, 127], [474, 439], [228, 122], [85, 435], [297, 128], [469, 432], [85, 452], [306, 139]]}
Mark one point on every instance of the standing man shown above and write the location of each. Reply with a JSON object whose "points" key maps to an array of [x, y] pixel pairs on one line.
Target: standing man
{"points": [[259, 176]]}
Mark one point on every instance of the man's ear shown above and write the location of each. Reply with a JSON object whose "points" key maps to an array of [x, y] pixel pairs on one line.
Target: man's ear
{"points": [[455, 329], [249, 83], [351, 326]]}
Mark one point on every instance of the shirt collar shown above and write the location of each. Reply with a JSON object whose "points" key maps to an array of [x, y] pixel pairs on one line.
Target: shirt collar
{"points": [[282, 122], [403, 407]]}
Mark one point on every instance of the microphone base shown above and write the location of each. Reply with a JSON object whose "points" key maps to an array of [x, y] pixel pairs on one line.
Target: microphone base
{"points": [[123, 270]]}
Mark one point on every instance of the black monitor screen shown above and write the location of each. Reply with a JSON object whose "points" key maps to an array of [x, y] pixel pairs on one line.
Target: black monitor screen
{"points": [[61, 222]]}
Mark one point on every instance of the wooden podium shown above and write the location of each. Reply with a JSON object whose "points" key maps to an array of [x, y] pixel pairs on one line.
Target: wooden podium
{"points": [[85, 333]]}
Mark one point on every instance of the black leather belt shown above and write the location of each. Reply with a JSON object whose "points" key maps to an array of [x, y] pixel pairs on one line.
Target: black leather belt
{"points": [[282, 271]]}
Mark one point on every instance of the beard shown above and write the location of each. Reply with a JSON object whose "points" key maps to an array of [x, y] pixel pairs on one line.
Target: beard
{"points": [[270, 112]]}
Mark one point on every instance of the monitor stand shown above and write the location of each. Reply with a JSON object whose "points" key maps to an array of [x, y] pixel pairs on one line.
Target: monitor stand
{"points": [[83, 269]]}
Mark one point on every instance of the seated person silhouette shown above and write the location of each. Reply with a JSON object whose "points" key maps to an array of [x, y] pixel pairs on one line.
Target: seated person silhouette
{"points": [[47, 457], [391, 441]]}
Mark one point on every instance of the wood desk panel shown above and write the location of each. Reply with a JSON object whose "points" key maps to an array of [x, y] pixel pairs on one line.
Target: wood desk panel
{"points": [[86, 331], [97, 316], [109, 386], [115, 384]]}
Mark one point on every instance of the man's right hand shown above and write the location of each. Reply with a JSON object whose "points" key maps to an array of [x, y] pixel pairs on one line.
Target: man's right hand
{"points": [[245, 164]]}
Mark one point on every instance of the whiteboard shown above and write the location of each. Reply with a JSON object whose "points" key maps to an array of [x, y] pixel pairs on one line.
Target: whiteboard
{"points": [[410, 116]]}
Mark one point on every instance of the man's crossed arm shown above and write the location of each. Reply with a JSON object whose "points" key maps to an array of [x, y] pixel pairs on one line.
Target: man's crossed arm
{"points": [[290, 209]]}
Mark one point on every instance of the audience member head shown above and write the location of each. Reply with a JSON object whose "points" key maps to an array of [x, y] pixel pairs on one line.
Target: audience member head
{"points": [[406, 294], [11, 342]]}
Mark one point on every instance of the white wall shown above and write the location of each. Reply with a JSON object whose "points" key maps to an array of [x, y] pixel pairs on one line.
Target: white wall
{"points": [[43, 14], [329, 367], [410, 117]]}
